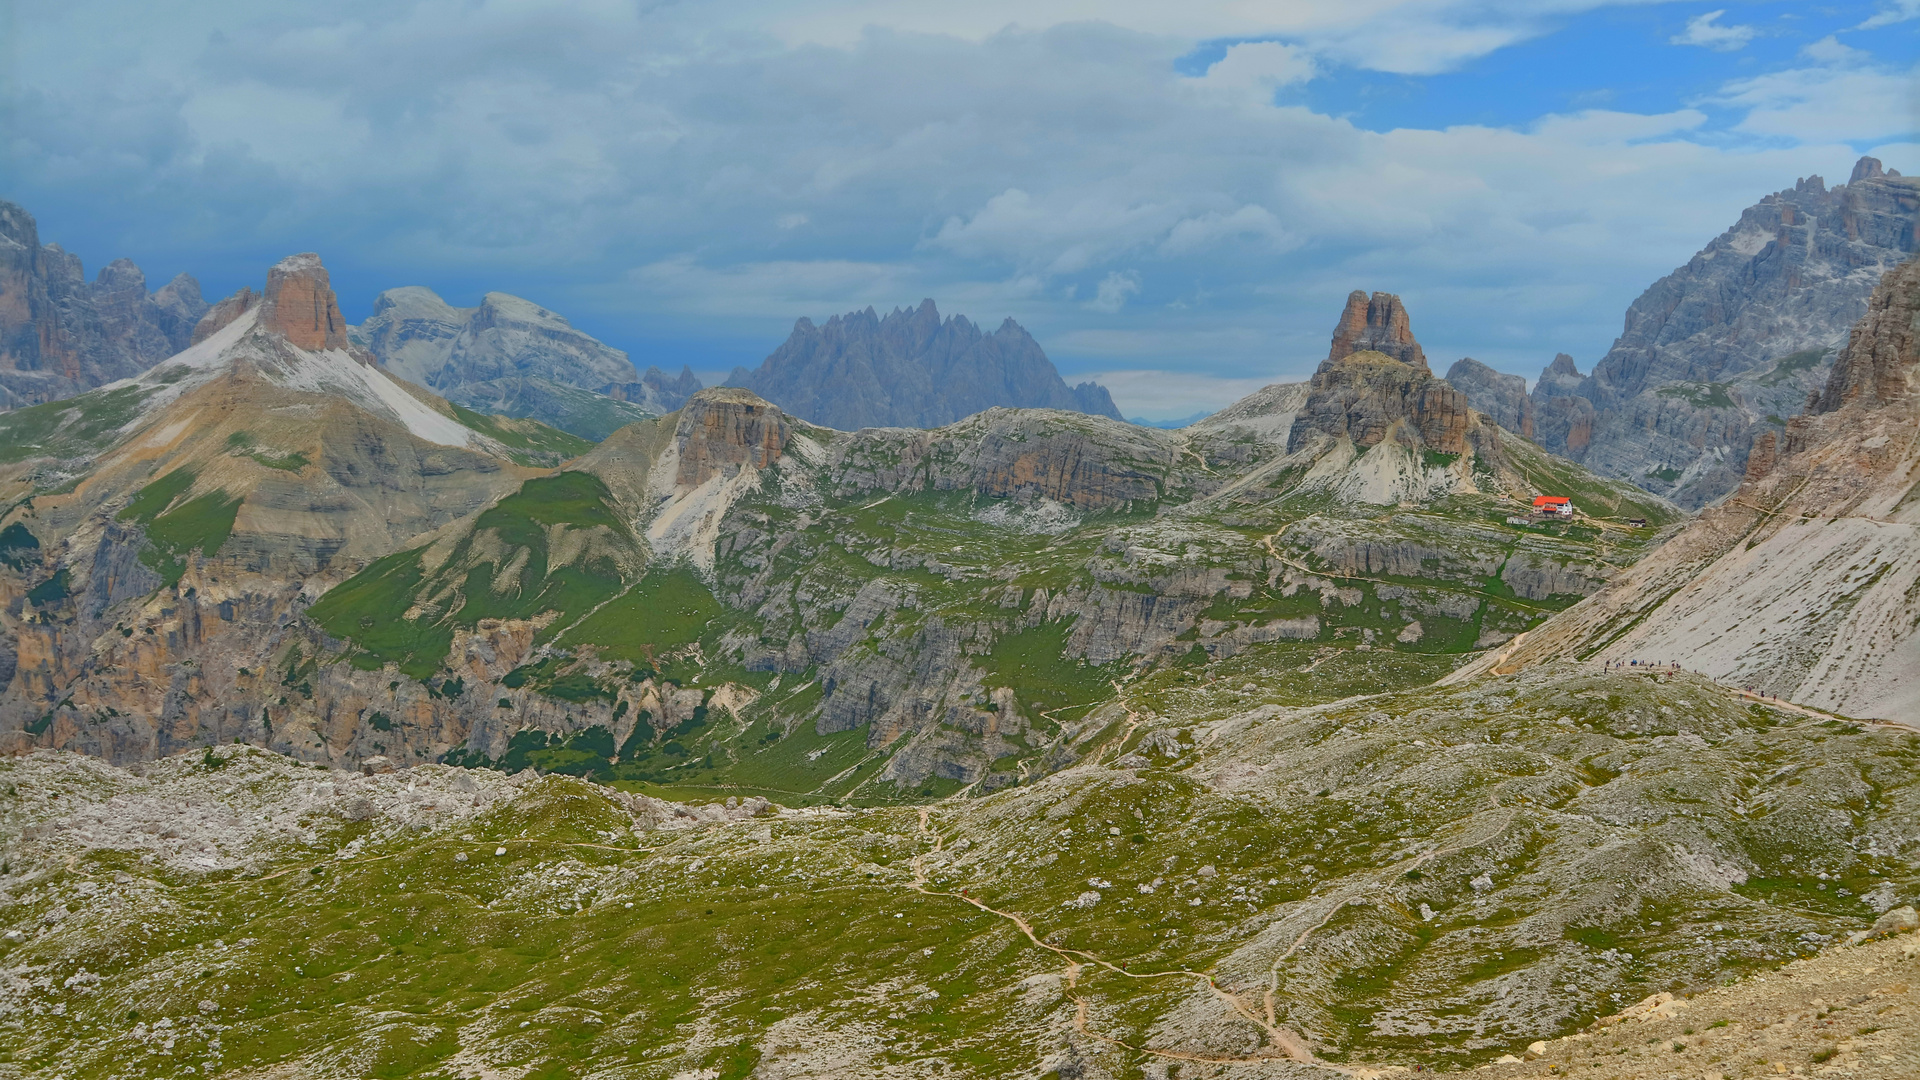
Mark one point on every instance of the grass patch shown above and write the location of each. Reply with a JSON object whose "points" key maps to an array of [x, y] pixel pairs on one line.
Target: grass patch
{"points": [[174, 530], [77, 426], [663, 611]]}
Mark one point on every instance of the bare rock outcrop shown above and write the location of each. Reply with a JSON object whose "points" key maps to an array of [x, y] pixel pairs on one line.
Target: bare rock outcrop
{"points": [[725, 429], [222, 314], [1376, 324], [300, 305], [1876, 367]]}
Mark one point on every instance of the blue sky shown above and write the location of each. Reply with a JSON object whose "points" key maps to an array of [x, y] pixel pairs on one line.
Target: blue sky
{"points": [[1173, 198]]}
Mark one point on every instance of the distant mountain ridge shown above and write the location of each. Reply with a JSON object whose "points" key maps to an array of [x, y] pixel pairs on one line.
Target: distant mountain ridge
{"points": [[1729, 346], [61, 334], [912, 369], [513, 357]]}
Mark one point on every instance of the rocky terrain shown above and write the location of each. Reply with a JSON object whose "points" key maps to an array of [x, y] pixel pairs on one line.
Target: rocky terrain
{"points": [[1558, 867], [1805, 582], [1724, 350], [512, 357], [1501, 397], [61, 334], [1846, 1012], [912, 611], [912, 369], [165, 530]]}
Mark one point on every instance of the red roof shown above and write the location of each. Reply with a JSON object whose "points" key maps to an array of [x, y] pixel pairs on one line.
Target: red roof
{"points": [[1551, 500]]}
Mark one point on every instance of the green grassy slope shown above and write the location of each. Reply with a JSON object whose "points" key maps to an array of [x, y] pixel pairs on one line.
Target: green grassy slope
{"points": [[1432, 877]]}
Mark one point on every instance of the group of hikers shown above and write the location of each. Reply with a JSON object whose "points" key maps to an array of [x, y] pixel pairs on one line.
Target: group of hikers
{"points": [[1647, 665]]}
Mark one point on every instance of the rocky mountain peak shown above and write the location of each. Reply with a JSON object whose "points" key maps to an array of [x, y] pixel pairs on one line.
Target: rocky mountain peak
{"points": [[911, 368], [1379, 324], [1502, 397], [1562, 366], [1867, 168], [61, 334], [1714, 354], [724, 429], [299, 304], [1371, 395]]}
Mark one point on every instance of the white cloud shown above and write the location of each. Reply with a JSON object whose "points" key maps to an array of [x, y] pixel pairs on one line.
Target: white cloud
{"points": [[1843, 95], [1251, 71], [653, 166], [1114, 290], [1705, 31], [1898, 11]]}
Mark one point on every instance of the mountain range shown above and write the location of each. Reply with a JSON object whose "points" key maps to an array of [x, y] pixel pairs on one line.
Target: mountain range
{"points": [[736, 745], [912, 369], [61, 334], [512, 357], [1724, 350]]}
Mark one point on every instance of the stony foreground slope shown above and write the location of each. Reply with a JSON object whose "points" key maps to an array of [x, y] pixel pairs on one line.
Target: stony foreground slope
{"points": [[1805, 583], [1229, 886]]}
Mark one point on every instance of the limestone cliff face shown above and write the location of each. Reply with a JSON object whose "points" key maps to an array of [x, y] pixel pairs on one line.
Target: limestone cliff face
{"points": [[1805, 582], [912, 369], [1369, 397], [1877, 365], [724, 430], [61, 334], [1561, 417], [1502, 397], [1376, 323], [299, 305], [1089, 463], [1731, 344]]}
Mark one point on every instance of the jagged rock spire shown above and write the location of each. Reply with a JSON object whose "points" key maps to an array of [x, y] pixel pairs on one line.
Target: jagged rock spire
{"points": [[1379, 324]]}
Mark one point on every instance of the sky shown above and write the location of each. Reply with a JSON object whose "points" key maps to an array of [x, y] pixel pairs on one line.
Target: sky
{"points": [[1174, 199]]}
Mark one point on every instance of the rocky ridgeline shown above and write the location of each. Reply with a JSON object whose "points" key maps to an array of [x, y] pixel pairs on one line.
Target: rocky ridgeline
{"points": [[1727, 348], [911, 369], [513, 357], [1502, 397], [1803, 583], [61, 334], [946, 593]]}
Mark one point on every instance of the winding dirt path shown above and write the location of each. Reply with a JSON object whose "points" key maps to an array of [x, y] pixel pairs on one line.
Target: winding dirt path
{"points": [[1283, 1043]]}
